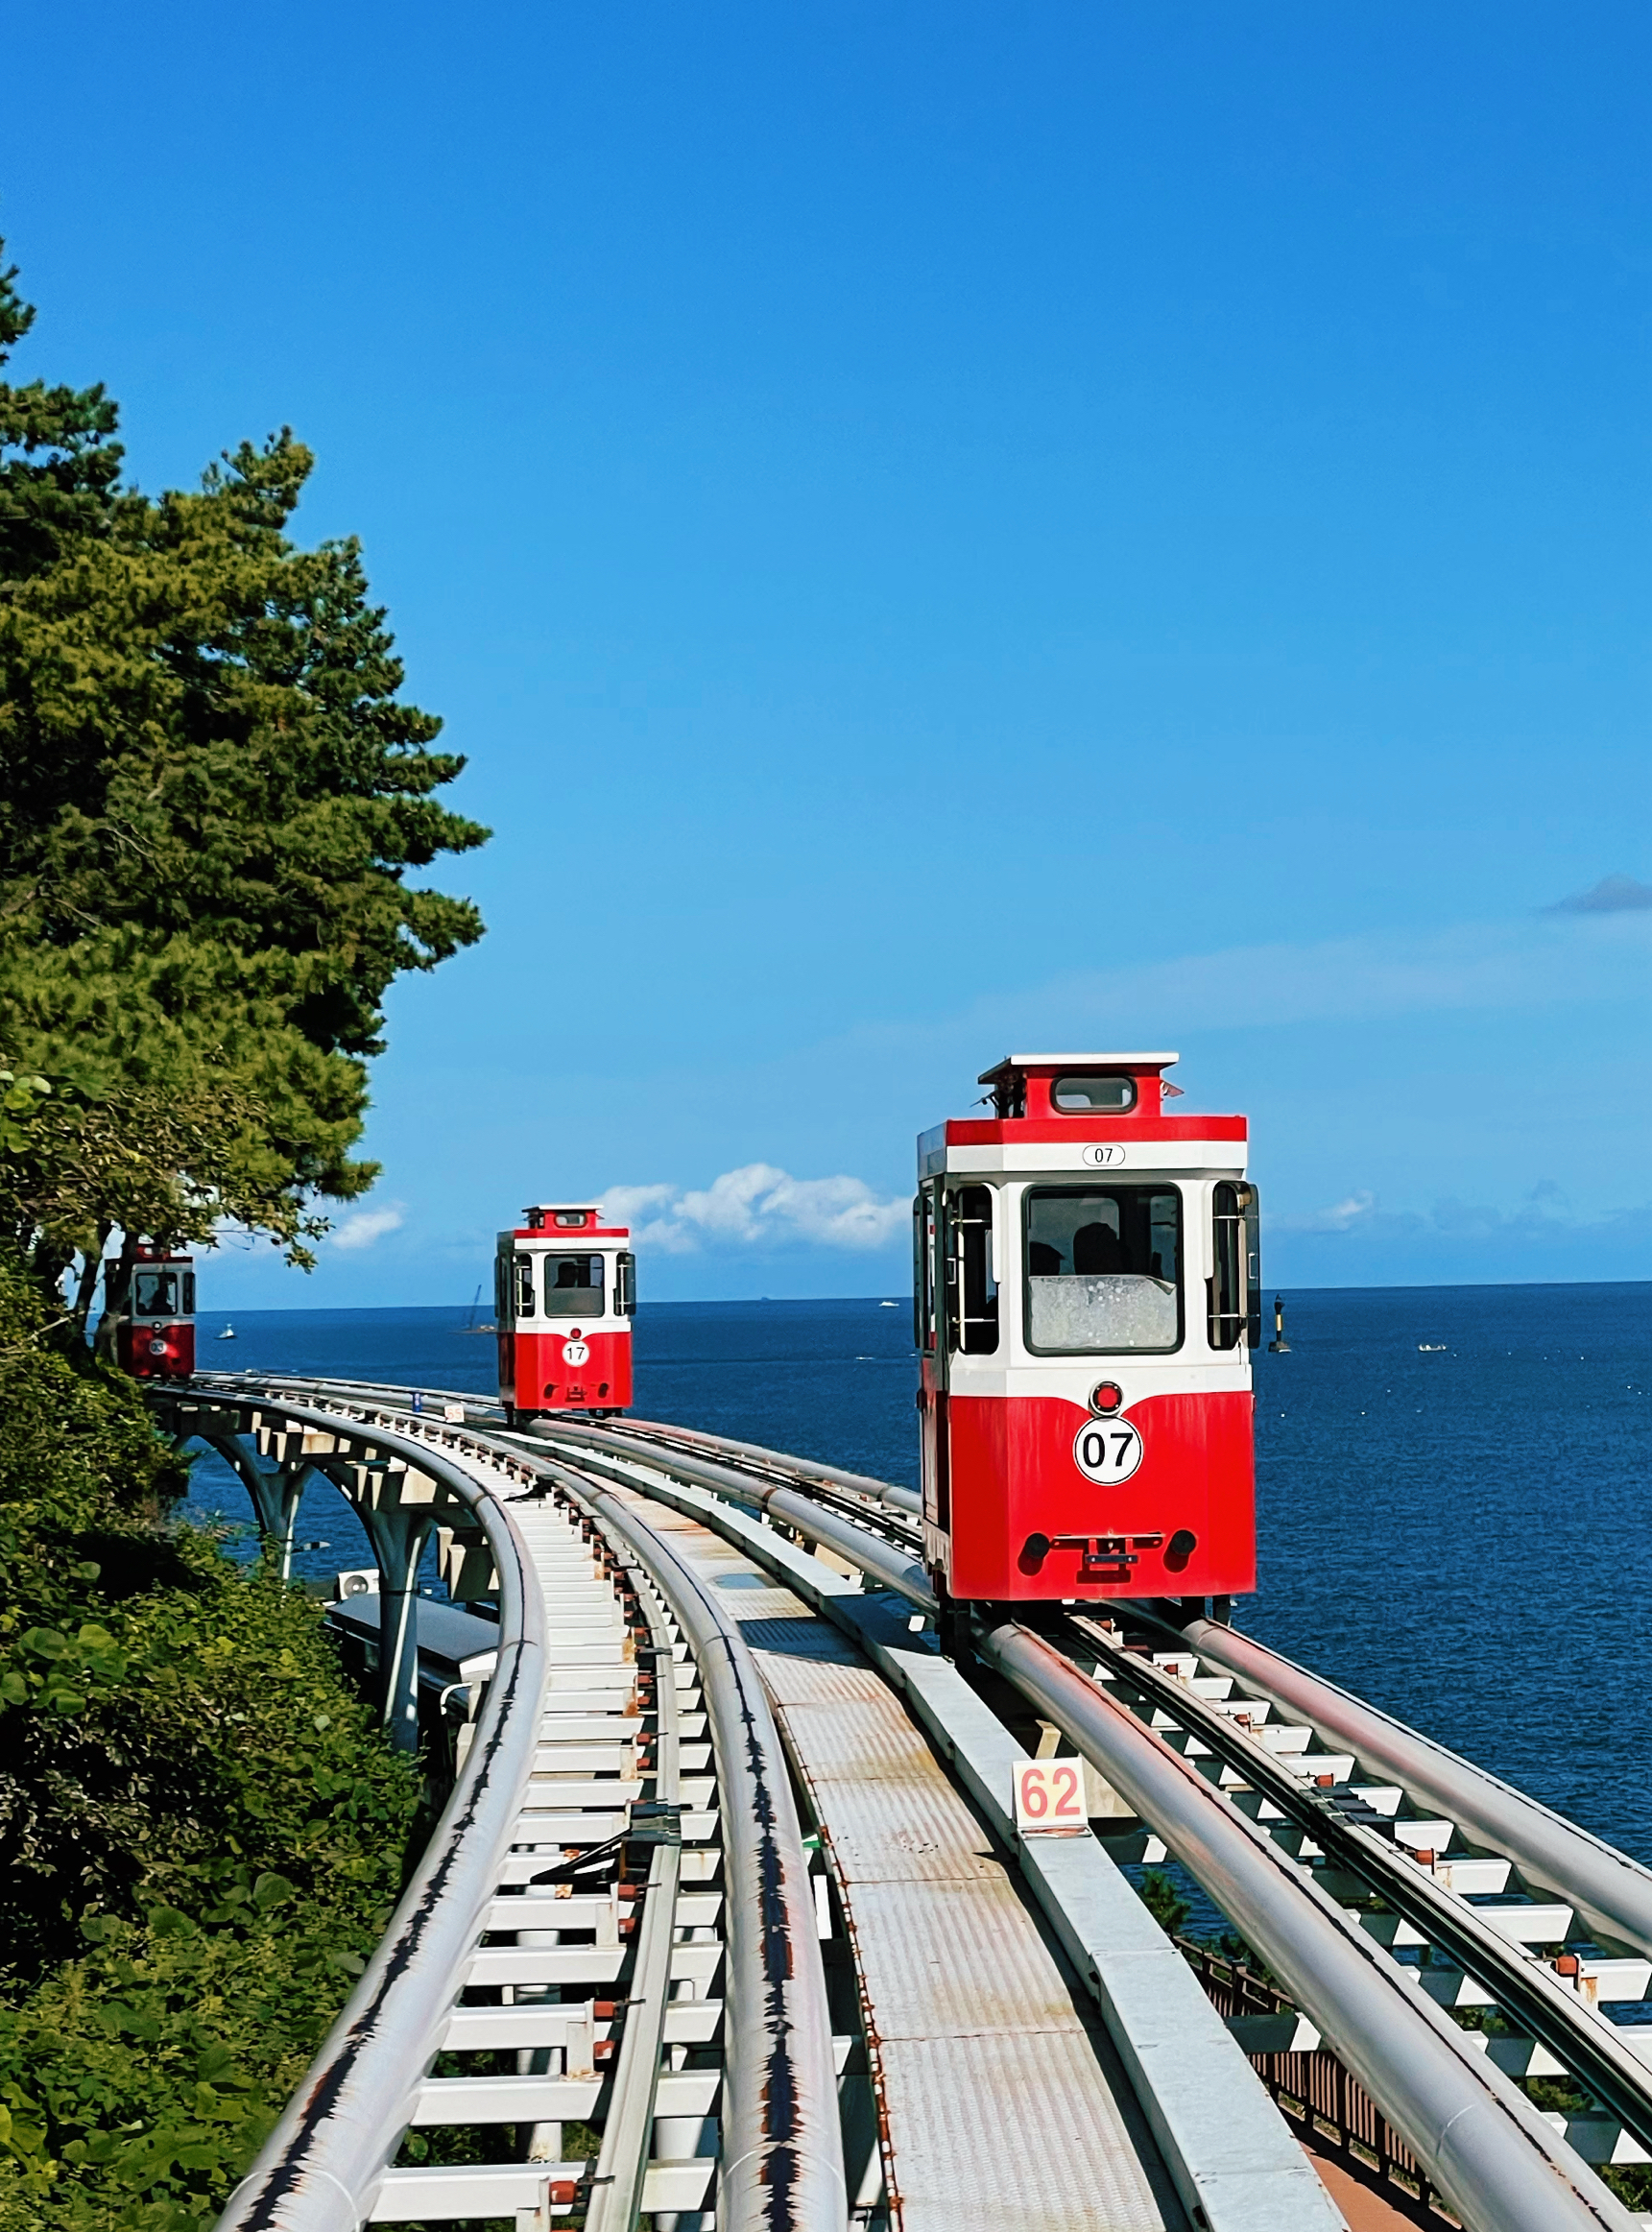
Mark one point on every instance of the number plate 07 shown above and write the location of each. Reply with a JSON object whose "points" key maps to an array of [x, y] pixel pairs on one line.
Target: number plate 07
{"points": [[1107, 1450]]}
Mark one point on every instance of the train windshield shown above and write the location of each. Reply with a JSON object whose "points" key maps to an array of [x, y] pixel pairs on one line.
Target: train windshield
{"points": [[573, 1285], [154, 1294], [1104, 1269]]}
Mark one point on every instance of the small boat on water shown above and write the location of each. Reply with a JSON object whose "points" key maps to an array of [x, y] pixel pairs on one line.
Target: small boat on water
{"points": [[471, 1325], [889, 1306], [227, 1335], [1430, 1348]]}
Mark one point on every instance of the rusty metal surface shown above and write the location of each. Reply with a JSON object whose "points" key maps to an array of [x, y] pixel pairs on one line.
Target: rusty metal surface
{"points": [[1004, 2102]]}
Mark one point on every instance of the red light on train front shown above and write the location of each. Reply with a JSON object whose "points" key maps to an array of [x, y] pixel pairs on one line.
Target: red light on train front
{"points": [[1105, 1397]]}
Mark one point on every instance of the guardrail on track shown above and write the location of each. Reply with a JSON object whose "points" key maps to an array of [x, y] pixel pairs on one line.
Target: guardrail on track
{"points": [[1611, 1891], [1491, 2154], [321, 2166], [1495, 2161], [327, 2166]]}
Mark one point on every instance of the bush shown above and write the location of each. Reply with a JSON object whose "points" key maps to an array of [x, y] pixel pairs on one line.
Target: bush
{"points": [[202, 1832]]}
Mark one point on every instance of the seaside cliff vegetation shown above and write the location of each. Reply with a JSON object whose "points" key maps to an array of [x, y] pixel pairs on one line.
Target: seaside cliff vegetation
{"points": [[211, 799], [201, 1831]]}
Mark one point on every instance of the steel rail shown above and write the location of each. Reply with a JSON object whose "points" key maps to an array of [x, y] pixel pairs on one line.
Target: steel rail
{"points": [[374, 1392], [1486, 2148], [616, 2184], [1526, 1991], [793, 1504], [782, 2155], [1610, 1890], [1491, 2171], [885, 1492], [321, 2166], [782, 2167]]}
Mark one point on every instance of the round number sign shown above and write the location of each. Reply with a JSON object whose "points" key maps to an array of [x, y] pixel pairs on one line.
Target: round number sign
{"points": [[576, 1352], [1107, 1450]]}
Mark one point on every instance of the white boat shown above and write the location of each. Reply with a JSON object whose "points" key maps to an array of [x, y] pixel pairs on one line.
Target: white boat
{"points": [[227, 1335], [1430, 1348], [889, 1306]]}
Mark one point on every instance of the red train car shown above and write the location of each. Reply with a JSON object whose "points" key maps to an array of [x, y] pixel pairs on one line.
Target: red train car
{"points": [[1087, 1291], [564, 1295], [154, 1338]]}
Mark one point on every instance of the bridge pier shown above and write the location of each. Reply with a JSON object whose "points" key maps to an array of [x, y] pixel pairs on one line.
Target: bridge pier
{"points": [[276, 1491], [397, 1536]]}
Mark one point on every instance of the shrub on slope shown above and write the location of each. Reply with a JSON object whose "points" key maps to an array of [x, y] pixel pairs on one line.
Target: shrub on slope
{"points": [[202, 1832]]}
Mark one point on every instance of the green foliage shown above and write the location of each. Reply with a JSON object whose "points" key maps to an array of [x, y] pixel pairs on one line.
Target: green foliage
{"points": [[1163, 1900], [211, 798], [202, 1832]]}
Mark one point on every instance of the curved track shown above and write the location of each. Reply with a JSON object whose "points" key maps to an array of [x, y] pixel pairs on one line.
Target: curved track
{"points": [[1230, 1765], [571, 1952]]}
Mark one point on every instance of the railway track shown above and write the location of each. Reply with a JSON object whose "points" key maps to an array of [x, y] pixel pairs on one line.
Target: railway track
{"points": [[613, 1933], [1420, 1952], [1508, 1908]]}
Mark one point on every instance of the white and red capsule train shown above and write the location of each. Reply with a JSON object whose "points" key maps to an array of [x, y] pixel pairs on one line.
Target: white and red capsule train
{"points": [[155, 1331], [1086, 1298], [564, 1295]]}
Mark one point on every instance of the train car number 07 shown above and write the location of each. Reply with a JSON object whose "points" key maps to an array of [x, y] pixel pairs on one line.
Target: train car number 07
{"points": [[1050, 1797], [1107, 1450]]}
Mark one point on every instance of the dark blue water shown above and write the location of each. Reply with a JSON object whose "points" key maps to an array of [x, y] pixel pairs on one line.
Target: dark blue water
{"points": [[1459, 1536]]}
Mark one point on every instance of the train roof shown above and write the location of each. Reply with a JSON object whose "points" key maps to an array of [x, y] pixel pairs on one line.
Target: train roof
{"points": [[1013, 1063]]}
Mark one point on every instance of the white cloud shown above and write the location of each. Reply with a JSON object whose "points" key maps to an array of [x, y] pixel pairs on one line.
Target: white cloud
{"points": [[1341, 1216], [758, 1206], [362, 1226], [1546, 1214]]}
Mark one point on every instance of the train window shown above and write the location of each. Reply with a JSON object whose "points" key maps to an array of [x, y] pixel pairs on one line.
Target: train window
{"points": [[501, 1290], [189, 1294], [972, 1274], [923, 1296], [625, 1285], [1092, 1096], [1234, 1287], [1104, 1269], [523, 1300], [154, 1294], [573, 1285]]}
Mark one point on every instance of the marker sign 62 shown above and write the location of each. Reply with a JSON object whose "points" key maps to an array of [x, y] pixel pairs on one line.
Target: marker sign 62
{"points": [[1050, 1798], [1106, 1450]]}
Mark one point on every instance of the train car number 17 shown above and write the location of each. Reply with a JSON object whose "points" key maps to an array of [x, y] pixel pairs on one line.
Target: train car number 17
{"points": [[1050, 1798]]}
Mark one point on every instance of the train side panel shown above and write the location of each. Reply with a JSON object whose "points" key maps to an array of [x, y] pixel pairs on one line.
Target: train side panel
{"points": [[1014, 1485]]}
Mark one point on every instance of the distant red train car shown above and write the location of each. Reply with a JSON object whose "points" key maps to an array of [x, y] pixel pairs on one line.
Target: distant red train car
{"points": [[564, 1295], [155, 1340], [1087, 1293]]}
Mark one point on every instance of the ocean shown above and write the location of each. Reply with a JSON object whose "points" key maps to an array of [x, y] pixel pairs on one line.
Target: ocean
{"points": [[1452, 1487]]}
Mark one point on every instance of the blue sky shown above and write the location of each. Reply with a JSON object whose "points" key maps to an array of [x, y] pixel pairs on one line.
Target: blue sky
{"points": [[942, 527]]}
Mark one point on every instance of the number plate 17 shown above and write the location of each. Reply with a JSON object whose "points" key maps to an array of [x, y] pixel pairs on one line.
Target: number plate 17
{"points": [[1050, 1798]]}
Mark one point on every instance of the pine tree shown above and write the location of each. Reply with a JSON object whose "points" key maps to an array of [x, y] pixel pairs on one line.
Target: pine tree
{"points": [[211, 796]]}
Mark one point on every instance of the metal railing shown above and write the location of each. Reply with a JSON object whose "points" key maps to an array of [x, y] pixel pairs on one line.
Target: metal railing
{"points": [[1495, 2159], [781, 2168], [1472, 2132], [321, 2166]]}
